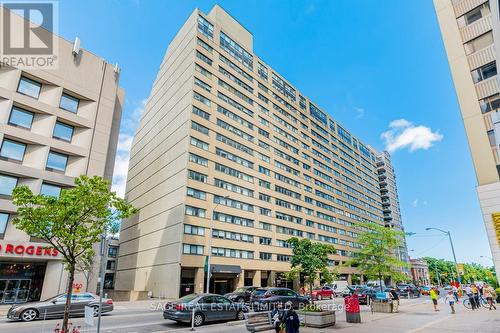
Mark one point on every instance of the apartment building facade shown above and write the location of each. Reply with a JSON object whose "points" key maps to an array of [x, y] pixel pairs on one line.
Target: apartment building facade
{"points": [[390, 204], [470, 31], [55, 125], [231, 159]]}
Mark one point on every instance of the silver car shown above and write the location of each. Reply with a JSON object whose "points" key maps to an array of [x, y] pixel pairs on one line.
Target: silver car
{"points": [[54, 307], [207, 307]]}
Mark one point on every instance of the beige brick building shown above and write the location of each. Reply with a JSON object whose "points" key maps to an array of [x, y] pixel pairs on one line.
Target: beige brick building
{"points": [[470, 30], [55, 125], [230, 158]]}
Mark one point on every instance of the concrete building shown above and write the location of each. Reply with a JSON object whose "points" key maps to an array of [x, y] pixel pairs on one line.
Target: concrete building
{"points": [[231, 159], [54, 126], [390, 204], [420, 272], [471, 32]]}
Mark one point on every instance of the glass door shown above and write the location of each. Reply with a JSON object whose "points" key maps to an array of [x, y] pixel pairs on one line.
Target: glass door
{"points": [[11, 289], [23, 291], [3, 284]]}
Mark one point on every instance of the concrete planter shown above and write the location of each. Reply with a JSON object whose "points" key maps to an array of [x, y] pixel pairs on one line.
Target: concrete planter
{"points": [[385, 307], [318, 319]]}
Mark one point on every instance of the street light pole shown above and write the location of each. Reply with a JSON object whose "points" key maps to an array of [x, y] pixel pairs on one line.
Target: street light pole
{"points": [[209, 259], [104, 253], [452, 250]]}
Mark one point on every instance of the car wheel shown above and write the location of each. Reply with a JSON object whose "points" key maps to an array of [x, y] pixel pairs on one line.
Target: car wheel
{"points": [[331, 296], [28, 315], [95, 310], [319, 297], [240, 315], [198, 319]]}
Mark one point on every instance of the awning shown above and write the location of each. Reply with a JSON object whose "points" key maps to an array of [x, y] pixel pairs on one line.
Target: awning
{"points": [[231, 269]]}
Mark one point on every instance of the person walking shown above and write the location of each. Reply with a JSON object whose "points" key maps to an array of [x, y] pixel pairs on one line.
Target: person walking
{"points": [[470, 295], [434, 297], [455, 292], [450, 300], [489, 294], [475, 295], [291, 320]]}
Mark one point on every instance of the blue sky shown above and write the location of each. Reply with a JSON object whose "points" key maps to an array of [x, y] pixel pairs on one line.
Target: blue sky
{"points": [[367, 65]]}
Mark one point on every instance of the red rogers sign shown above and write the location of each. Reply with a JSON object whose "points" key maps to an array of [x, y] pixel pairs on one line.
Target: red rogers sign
{"points": [[28, 250]]}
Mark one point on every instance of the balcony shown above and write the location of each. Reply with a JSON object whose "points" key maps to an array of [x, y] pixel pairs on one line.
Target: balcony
{"points": [[487, 87], [463, 6], [476, 29]]}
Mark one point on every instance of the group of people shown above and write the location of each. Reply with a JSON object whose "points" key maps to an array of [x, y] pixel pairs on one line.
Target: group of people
{"points": [[472, 291]]}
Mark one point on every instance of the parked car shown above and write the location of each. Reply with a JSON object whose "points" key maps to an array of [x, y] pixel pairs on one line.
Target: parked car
{"points": [[241, 295], [267, 298], [324, 292], [54, 307], [425, 290], [207, 307], [338, 287], [408, 289], [364, 294]]}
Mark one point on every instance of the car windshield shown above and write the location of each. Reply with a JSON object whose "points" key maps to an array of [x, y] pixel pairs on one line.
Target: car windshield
{"points": [[240, 290], [260, 291], [187, 298]]}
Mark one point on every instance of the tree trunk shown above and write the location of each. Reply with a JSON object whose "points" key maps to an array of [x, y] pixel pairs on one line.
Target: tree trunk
{"points": [[380, 281], [69, 292], [311, 290]]}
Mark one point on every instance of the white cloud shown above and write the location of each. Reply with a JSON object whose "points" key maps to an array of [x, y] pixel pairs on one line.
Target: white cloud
{"points": [[404, 134], [360, 112]]}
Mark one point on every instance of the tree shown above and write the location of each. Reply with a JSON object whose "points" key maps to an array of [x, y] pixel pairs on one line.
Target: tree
{"points": [[311, 259], [376, 257], [72, 223], [447, 271]]}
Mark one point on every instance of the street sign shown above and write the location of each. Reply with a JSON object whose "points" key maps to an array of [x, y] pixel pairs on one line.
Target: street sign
{"points": [[89, 316]]}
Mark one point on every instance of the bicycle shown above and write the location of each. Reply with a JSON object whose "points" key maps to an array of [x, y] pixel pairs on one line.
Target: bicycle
{"points": [[482, 301]]}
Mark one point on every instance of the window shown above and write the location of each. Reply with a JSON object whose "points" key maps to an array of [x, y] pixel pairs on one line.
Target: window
{"points": [[473, 15], [4, 218], [63, 131], [232, 253], [112, 251], [479, 43], [234, 49], [7, 184], [233, 203], [200, 128], [205, 27], [21, 118], [202, 84], [265, 226], [195, 211], [204, 45], [265, 184], [69, 103], [264, 197], [194, 230], [265, 211], [198, 143], [233, 187], [191, 192], [235, 67], [233, 219], [197, 176], [234, 158], [201, 99], [236, 236], [29, 87], [50, 190], [262, 70], [484, 72], [203, 58], [192, 249], [265, 256], [111, 265], [490, 103], [201, 113], [265, 171], [264, 241], [233, 172], [198, 159], [57, 161], [12, 150], [203, 71]]}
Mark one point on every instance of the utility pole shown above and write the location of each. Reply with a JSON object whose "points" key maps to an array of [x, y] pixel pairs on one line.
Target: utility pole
{"points": [[104, 257]]}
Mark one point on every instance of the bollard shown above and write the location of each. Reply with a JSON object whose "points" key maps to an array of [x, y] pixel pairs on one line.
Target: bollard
{"points": [[192, 319]]}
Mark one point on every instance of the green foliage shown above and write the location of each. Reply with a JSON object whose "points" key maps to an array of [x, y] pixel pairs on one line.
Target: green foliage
{"points": [[375, 258], [310, 259], [72, 223], [447, 271]]}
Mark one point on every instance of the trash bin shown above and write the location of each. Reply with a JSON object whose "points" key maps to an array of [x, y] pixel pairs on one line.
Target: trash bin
{"points": [[352, 311]]}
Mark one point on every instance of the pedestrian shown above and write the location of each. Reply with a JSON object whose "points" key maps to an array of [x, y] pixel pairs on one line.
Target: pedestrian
{"points": [[455, 292], [291, 319], [450, 300], [393, 294], [475, 293], [489, 294], [470, 295], [277, 317], [434, 297]]}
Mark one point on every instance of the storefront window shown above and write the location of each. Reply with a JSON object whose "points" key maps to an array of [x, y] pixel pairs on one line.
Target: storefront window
{"points": [[21, 282]]}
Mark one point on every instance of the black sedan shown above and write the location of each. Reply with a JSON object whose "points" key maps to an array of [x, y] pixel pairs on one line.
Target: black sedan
{"points": [[241, 295], [408, 289], [206, 307], [54, 307], [268, 298]]}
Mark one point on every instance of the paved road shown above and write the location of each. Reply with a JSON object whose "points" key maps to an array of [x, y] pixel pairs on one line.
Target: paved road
{"points": [[415, 316]]}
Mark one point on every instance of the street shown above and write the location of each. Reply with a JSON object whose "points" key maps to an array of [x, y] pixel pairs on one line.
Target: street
{"points": [[416, 315]]}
